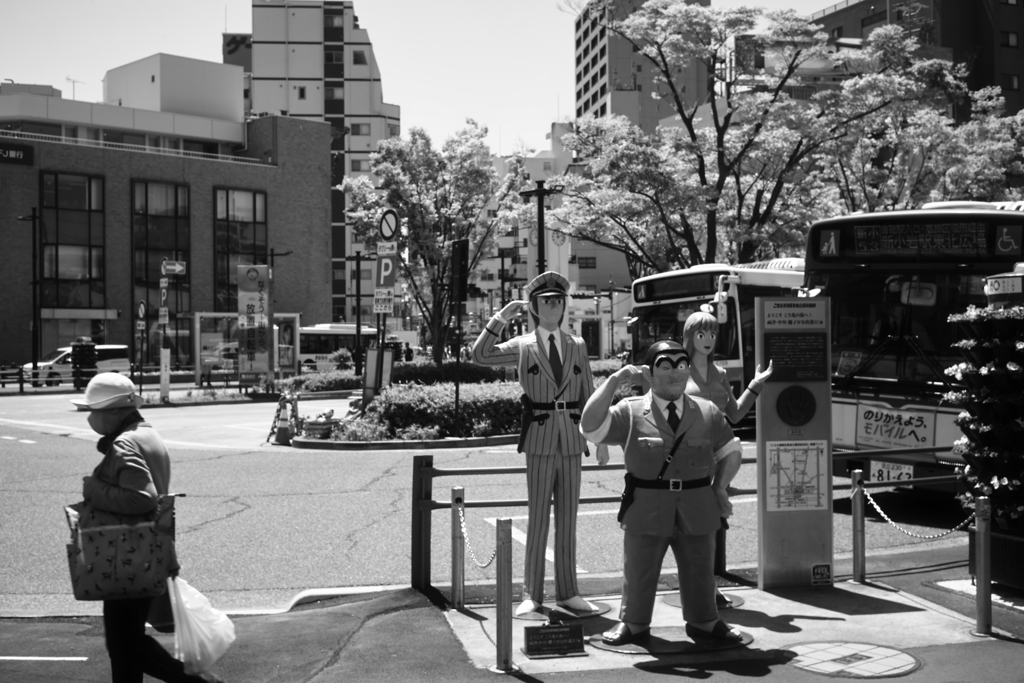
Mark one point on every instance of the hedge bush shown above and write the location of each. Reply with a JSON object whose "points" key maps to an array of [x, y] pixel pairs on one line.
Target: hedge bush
{"points": [[428, 373], [427, 412], [604, 368], [332, 380], [484, 409]]}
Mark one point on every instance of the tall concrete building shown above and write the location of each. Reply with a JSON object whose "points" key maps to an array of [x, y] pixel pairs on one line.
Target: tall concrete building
{"points": [[984, 34], [310, 59], [612, 77]]}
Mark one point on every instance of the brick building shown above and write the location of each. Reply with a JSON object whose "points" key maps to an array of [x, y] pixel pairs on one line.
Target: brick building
{"points": [[117, 190]]}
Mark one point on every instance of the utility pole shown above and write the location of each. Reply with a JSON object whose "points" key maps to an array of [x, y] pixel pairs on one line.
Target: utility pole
{"points": [[541, 193], [34, 218]]}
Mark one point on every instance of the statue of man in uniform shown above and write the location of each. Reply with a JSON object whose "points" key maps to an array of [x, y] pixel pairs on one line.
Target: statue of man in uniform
{"points": [[554, 372]]}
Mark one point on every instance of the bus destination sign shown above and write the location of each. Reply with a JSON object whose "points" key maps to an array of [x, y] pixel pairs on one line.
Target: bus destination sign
{"points": [[679, 285], [913, 239]]}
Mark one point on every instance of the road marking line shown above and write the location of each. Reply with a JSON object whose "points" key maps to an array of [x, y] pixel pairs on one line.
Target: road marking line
{"points": [[517, 535], [25, 441], [44, 659]]}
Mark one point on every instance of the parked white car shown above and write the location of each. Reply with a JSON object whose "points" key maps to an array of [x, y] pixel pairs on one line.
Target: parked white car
{"points": [[55, 367]]}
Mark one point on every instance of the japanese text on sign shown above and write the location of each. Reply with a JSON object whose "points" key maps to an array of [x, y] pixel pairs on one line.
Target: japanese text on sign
{"points": [[254, 315], [799, 313], [797, 357], [383, 300], [967, 239]]}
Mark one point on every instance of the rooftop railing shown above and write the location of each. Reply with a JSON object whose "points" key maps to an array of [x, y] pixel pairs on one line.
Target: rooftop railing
{"points": [[143, 149]]}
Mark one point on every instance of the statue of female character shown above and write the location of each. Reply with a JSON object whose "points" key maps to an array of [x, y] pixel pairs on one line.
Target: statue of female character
{"points": [[708, 381]]}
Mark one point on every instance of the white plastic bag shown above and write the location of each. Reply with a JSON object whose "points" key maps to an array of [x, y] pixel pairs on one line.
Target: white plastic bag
{"points": [[202, 633]]}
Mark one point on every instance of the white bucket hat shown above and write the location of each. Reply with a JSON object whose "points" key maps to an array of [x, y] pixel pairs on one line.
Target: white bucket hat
{"points": [[108, 390]]}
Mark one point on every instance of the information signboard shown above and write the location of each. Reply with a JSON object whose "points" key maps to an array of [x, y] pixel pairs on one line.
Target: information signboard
{"points": [[553, 640], [255, 311], [794, 436]]}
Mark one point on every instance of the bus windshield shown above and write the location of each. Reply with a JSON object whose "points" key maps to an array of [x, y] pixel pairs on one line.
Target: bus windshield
{"points": [[893, 326], [657, 323]]}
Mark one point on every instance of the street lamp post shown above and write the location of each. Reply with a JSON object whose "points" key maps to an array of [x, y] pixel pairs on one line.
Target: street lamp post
{"points": [[541, 193], [34, 218]]}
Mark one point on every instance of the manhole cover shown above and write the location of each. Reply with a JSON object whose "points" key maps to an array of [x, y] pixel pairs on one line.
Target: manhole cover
{"points": [[853, 660]]}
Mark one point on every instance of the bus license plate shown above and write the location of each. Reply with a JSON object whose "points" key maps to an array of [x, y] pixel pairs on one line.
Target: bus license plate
{"points": [[890, 471]]}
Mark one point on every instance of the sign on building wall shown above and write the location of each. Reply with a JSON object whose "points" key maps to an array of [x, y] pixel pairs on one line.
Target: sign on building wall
{"points": [[236, 49], [11, 153], [255, 311]]}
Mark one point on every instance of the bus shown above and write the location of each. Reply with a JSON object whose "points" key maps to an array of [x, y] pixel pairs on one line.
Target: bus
{"points": [[894, 278], [318, 342], [662, 303]]}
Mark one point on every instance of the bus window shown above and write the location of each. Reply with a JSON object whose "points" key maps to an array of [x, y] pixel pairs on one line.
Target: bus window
{"points": [[666, 323], [887, 327]]}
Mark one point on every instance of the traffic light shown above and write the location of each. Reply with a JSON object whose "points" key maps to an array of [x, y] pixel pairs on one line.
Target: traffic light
{"points": [[460, 269]]}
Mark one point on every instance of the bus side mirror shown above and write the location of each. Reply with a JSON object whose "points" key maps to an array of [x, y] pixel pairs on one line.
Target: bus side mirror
{"points": [[722, 312]]}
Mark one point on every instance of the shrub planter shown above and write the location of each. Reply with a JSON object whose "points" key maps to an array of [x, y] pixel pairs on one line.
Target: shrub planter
{"points": [[319, 429]]}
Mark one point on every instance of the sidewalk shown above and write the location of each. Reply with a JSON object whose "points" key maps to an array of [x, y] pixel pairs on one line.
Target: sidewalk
{"points": [[879, 629], [849, 630]]}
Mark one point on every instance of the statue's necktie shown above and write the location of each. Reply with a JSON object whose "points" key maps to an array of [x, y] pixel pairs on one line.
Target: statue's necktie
{"points": [[673, 417], [554, 359]]}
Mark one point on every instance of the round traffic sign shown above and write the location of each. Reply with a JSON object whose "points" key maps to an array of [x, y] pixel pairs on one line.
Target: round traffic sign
{"points": [[142, 310], [388, 224]]}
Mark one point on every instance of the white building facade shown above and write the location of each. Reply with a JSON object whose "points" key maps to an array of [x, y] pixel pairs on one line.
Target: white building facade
{"points": [[311, 59]]}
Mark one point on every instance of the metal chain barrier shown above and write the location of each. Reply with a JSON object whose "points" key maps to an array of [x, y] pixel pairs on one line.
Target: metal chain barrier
{"points": [[465, 536], [930, 537]]}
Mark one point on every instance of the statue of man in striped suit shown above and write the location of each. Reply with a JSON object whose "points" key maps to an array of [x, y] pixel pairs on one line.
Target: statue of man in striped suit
{"points": [[554, 372]]}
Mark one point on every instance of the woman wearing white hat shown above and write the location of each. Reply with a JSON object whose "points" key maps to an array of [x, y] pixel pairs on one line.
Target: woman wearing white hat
{"points": [[134, 472]]}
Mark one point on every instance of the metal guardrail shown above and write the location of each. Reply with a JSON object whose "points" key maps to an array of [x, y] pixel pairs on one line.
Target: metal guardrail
{"points": [[423, 503], [13, 376]]}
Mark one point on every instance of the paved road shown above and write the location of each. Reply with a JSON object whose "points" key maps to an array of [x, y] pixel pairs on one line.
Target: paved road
{"points": [[262, 523]]}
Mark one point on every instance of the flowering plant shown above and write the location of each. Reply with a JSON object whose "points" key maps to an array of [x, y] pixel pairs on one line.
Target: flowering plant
{"points": [[993, 417]]}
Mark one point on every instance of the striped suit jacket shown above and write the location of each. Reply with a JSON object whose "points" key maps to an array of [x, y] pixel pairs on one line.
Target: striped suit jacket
{"points": [[535, 376]]}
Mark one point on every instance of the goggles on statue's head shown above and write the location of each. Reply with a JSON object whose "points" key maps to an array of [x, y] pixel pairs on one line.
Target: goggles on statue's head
{"points": [[673, 358], [669, 351]]}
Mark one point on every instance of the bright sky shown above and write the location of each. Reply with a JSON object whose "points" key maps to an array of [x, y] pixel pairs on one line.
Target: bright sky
{"points": [[509, 65]]}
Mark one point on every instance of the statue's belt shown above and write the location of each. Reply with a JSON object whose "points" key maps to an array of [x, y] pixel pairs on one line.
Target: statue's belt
{"points": [[556, 405], [541, 412], [669, 484]]}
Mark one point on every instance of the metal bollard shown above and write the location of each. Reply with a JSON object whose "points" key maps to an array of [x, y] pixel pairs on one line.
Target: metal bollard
{"points": [[503, 600], [458, 596], [857, 512], [422, 496], [983, 566]]}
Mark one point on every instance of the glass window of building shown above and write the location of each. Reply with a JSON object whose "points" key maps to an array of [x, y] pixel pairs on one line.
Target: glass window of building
{"points": [[239, 239], [358, 57], [72, 240], [161, 232]]}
